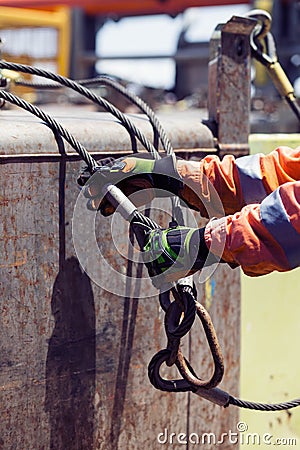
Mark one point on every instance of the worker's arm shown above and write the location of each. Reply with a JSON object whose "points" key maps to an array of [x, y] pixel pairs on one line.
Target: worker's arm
{"points": [[212, 186], [262, 237], [237, 182]]}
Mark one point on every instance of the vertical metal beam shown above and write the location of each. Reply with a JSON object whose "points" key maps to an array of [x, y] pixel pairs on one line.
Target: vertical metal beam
{"points": [[84, 30], [229, 84]]}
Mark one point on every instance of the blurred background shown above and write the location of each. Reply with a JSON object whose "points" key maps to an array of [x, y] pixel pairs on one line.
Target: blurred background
{"points": [[160, 49]]}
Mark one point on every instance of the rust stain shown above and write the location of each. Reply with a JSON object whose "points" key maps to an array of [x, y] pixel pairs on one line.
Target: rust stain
{"points": [[20, 260], [157, 323], [13, 237], [19, 384], [11, 386]]}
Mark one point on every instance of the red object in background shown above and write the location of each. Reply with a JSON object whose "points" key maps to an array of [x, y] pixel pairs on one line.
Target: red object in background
{"points": [[122, 7]]}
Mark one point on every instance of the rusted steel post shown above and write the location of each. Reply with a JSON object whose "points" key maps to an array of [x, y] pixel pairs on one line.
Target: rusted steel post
{"points": [[229, 84]]}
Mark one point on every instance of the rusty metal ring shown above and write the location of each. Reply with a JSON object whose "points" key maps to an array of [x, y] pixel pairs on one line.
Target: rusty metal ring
{"points": [[186, 369]]}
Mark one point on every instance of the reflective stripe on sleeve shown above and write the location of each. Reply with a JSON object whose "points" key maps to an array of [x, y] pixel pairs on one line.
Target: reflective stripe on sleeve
{"points": [[251, 178], [275, 219]]}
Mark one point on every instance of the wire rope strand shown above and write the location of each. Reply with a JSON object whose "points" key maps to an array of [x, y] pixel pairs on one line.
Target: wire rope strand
{"points": [[54, 125], [108, 81], [144, 107], [263, 406], [88, 94]]}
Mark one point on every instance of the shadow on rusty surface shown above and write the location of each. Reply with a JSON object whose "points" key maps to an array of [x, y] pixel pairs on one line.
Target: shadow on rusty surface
{"points": [[71, 357], [126, 346], [70, 364]]}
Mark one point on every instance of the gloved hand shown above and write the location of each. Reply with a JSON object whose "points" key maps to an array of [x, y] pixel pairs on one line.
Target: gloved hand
{"points": [[131, 174], [173, 253]]}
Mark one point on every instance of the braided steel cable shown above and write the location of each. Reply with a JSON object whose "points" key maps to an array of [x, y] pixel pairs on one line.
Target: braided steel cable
{"points": [[263, 406], [58, 128], [36, 85], [88, 94], [155, 122], [53, 124], [135, 99]]}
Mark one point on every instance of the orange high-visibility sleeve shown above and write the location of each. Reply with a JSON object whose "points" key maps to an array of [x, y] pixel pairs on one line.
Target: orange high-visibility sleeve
{"points": [[262, 237], [236, 182]]}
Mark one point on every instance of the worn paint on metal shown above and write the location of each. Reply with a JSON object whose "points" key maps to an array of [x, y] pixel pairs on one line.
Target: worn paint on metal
{"points": [[73, 358], [98, 132], [229, 84]]}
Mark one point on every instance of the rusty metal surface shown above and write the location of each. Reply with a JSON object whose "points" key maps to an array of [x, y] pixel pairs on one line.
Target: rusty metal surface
{"points": [[24, 134], [221, 297], [73, 355], [229, 84], [52, 157], [73, 361]]}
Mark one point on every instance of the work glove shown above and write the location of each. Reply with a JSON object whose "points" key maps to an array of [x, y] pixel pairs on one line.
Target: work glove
{"points": [[173, 253], [131, 174]]}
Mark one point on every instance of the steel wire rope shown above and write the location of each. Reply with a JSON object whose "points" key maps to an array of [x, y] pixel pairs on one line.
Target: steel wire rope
{"points": [[107, 80], [111, 108], [139, 102], [58, 128], [88, 94], [263, 406], [53, 124]]}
